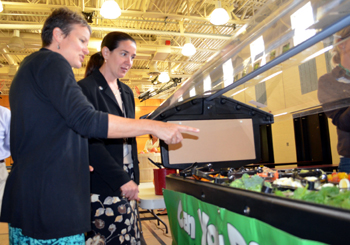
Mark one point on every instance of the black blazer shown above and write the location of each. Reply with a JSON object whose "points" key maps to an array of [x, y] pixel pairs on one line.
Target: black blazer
{"points": [[106, 155]]}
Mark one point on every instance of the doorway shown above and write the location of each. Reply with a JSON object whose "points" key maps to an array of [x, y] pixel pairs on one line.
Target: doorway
{"points": [[312, 140]]}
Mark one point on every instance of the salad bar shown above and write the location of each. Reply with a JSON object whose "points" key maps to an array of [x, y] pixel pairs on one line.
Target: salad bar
{"points": [[321, 214], [312, 185], [301, 206]]}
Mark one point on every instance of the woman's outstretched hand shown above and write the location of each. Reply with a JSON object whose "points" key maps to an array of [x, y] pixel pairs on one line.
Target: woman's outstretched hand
{"points": [[171, 133]]}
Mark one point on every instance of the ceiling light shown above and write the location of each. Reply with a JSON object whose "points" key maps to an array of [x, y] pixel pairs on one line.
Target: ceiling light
{"points": [[1, 8], [110, 10], [153, 70], [238, 92], [271, 76], [188, 49], [317, 53], [284, 113], [15, 43], [219, 16], [163, 77]]}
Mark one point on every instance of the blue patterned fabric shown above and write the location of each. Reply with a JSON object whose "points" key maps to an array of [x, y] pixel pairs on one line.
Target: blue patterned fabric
{"points": [[17, 238], [114, 220]]}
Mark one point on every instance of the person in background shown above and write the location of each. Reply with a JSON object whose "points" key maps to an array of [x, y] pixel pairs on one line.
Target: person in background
{"points": [[334, 95], [115, 162], [152, 143], [47, 193], [5, 120]]}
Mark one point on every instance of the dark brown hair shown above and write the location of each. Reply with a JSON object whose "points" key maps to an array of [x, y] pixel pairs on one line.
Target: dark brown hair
{"points": [[96, 60], [64, 19], [111, 41]]}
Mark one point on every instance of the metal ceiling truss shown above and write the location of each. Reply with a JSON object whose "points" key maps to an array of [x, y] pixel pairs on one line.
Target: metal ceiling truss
{"points": [[150, 22]]}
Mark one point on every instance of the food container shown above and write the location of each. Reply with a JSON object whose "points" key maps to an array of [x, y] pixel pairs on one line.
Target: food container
{"points": [[159, 179]]}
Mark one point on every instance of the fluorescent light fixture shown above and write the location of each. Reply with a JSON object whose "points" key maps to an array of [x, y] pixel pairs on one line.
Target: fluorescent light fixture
{"points": [[193, 92], [163, 77], [219, 16], [239, 92], [318, 53], [110, 10], [271, 76], [219, 84], [207, 84], [301, 20], [228, 71], [281, 114], [240, 30], [257, 51]]}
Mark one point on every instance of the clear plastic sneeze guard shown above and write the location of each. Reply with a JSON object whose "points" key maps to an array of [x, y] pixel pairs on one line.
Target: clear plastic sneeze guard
{"points": [[274, 63]]}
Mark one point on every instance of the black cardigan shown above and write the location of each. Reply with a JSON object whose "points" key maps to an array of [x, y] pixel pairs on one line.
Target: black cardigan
{"points": [[47, 192], [106, 155]]}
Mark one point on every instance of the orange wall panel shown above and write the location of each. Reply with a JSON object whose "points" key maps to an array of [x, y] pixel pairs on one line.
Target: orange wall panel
{"points": [[154, 102], [4, 101], [141, 142], [143, 108]]}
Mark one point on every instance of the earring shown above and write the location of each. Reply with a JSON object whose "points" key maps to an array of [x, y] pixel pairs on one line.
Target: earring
{"points": [[58, 46]]}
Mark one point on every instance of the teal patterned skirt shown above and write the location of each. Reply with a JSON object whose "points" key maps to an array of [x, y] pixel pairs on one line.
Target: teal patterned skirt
{"points": [[17, 238]]}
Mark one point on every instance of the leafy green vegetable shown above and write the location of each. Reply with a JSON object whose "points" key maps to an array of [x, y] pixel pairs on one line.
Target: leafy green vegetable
{"points": [[253, 183], [280, 193], [299, 193], [346, 204], [267, 184], [328, 196], [238, 183], [330, 191]]}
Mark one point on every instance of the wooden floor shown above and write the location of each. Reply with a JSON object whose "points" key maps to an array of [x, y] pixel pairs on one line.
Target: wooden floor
{"points": [[4, 238], [152, 233]]}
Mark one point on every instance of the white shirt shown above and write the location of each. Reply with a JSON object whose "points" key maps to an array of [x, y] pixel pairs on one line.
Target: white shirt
{"points": [[5, 119]]}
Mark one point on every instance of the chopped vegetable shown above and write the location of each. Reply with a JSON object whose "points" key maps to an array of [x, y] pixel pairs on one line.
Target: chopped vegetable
{"points": [[328, 196], [337, 176], [253, 183]]}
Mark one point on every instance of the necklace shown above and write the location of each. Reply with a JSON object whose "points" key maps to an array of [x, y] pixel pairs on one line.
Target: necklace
{"points": [[347, 72]]}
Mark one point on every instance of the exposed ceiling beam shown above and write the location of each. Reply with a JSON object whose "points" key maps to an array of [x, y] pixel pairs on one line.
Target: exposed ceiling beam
{"points": [[14, 6], [128, 30]]}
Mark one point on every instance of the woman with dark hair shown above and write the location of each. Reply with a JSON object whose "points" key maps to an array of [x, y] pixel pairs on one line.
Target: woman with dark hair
{"points": [[47, 194], [334, 95], [115, 162]]}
